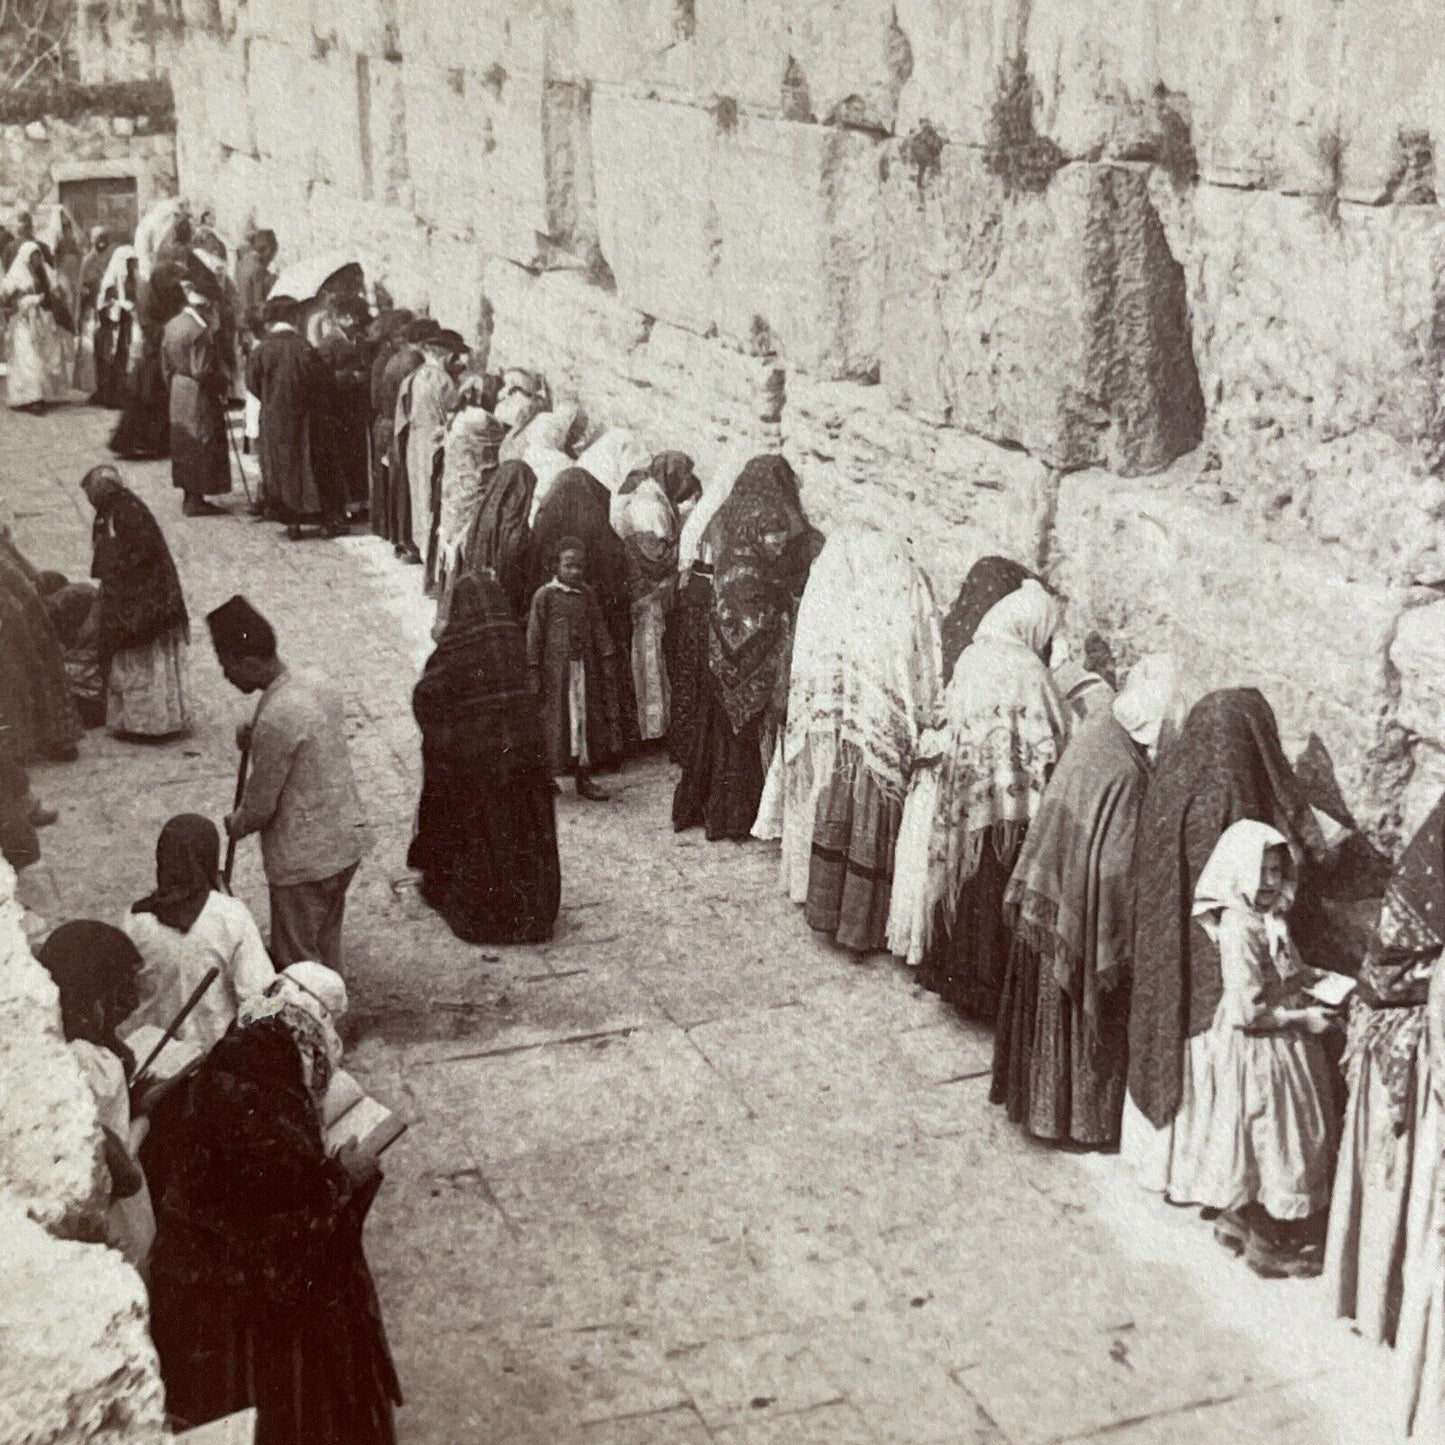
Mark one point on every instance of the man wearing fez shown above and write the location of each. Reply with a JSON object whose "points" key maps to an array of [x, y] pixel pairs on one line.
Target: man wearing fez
{"points": [[300, 793]]}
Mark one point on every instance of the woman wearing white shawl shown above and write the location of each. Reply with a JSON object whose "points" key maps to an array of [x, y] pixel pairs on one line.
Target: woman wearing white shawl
{"points": [[866, 678], [1003, 731], [469, 459], [115, 326], [34, 350], [1061, 1051], [647, 524]]}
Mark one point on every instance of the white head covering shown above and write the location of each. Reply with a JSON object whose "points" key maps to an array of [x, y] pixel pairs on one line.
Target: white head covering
{"points": [[18, 280], [647, 515], [690, 547], [310, 998], [549, 464], [112, 282], [1149, 705], [1231, 877], [1030, 615], [323, 984], [614, 456]]}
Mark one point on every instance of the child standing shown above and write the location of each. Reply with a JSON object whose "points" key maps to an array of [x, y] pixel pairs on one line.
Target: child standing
{"points": [[567, 647], [1255, 1133]]}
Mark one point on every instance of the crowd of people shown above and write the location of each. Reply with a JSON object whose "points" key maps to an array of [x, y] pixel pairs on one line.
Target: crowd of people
{"points": [[1131, 891]]}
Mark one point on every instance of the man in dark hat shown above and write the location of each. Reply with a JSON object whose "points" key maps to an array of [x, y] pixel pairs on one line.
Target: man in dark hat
{"points": [[283, 373], [300, 793], [196, 380]]}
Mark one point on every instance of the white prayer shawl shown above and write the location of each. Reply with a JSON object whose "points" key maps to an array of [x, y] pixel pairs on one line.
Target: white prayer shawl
{"points": [[112, 298], [692, 545], [548, 464], [1004, 727], [19, 282], [649, 516], [35, 359], [1150, 708], [614, 456], [155, 227], [466, 456]]}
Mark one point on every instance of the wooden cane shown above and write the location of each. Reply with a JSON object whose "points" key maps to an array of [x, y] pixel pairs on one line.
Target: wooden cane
{"points": [[240, 793], [212, 974]]}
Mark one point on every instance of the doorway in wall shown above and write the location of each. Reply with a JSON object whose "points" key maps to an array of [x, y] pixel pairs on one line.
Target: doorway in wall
{"points": [[108, 201]]}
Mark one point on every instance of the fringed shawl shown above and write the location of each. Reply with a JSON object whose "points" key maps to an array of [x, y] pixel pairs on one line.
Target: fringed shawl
{"points": [[469, 460], [867, 662], [1071, 897], [764, 548], [1409, 938], [1227, 764], [1004, 729], [140, 591]]}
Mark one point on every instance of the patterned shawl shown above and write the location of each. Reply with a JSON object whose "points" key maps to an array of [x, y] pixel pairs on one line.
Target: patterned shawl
{"points": [[140, 592], [474, 692], [1004, 727], [1071, 897], [1227, 764], [764, 548], [1409, 937], [469, 460], [866, 659], [989, 580]]}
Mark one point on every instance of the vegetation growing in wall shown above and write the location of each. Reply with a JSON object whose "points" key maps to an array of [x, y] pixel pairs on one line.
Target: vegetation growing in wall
{"points": [[1330, 154], [725, 114], [923, 153], [1413, 181], [1014, 151], [69, 100], [34, 42]]}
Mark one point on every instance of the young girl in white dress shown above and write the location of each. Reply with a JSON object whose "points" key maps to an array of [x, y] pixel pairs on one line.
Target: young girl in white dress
{"points": [[1255, 1136]]}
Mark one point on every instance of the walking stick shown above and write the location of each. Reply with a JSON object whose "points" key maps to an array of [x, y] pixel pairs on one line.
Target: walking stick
{"points": [[240, 791], [240, 465], [212, 974]]}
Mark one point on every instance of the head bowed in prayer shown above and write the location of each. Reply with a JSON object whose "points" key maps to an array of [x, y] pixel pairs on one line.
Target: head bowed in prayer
{"points": [[309, 999], [102, 484], [1149, 708], [245, 644], [188, 866], [421, 331], [280, 311], [1029, 615], [94, 967]]}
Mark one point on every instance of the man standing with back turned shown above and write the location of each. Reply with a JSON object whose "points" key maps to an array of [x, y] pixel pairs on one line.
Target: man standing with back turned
{"points": [[300, 793]]}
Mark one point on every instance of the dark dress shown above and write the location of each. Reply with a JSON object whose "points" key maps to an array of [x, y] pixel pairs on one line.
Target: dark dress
{"points": [[260, 1291], [340, 441], [144, 430], [685, 643], [764, 548], [283, 373], [393, 363], [486, 839], [35, 702], [191, 364]]}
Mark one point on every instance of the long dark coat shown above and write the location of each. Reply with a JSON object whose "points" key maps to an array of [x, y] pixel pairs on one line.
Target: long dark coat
{"points": [[282, 372], [191, 364]]}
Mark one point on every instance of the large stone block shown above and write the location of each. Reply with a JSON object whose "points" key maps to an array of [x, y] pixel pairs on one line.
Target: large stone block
{"points": [[281, 83], [50, 1161], [340, 153], [764, 230], [1056, 321], [78, 1367], [953, 497], [363, 27], [388, 240], [284, 22], [516, 36], [1164, 565], [1418, 656], [1318, 348]]}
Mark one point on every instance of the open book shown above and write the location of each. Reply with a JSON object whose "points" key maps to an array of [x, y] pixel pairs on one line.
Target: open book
{"points": [[349, 1115], [1332, 989], [238, 1429]]}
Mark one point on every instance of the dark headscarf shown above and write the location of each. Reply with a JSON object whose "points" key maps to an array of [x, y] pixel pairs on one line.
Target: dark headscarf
{"points": [[188, 864], [140, 592], [1227, 765], [989, 581], [93, 963], [474, 693], [500, 538], [673, 472], [1408, 939], [578, 506], [764, 547]]}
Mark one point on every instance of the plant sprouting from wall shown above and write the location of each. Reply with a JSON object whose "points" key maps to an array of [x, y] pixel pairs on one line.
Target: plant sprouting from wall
{"points": [[1330, 156], [35, 40], [1014, 151], [923, 153]]}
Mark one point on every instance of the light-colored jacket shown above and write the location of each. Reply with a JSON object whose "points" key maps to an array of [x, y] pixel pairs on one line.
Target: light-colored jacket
{"points": [[301, 792]]}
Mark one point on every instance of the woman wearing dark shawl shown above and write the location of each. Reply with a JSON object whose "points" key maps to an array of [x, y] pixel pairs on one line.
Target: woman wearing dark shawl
{"points": [[764, 547], [1391, 1143], [674, 473], [1227, 765], [35, 701], [500, 539], [989, 580], [578, 505], [1061, 1049], [144, 630], [260, 1291], [486, 840], [144, 430]]}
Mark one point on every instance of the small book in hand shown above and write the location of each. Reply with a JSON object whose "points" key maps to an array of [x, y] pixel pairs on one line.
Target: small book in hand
{"points": [[1332, 989], [349, 1115]]}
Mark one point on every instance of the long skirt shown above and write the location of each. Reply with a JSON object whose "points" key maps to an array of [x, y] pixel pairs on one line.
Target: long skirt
{"points": [[146, 688], [649, 665], [144, 430], [966, 964], [1420, 1340], [34, 358], [686, 648], [486, 845], [1370, 1224], [112, 360], [1045, 1072], [722, 779], [850, 871], [1255, 1123], [35, 701]]}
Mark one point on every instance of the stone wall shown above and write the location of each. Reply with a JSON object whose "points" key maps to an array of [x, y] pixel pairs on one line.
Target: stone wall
{"points": [[1149, 294], [76, 1360]]}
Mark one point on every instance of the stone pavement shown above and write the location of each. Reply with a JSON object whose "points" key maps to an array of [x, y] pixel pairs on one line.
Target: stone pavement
{"points": [[685, 1173]]}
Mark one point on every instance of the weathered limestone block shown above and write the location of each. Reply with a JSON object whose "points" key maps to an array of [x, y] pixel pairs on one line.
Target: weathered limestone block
{"points": [[209, 83], [1318, 348], [283, 21], [334, 122], [1163, 565], [281, 84], [765, 230], [517, 36], [50, 1162], [453, 277], [244, 191], [1418, 656], [363, 27], [1055, 321], [953, 497], [388, 240], [78, 1366]]}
